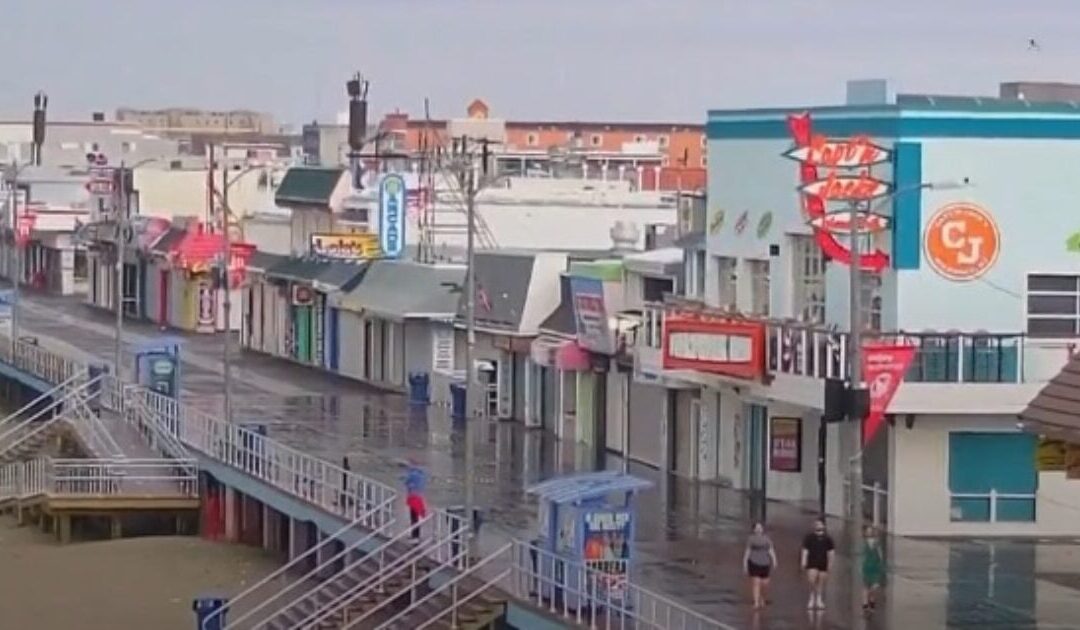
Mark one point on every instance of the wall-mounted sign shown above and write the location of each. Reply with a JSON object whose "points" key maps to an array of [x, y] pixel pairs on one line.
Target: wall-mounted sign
{"points": [[302, 295], [839, 222], [1050, 455], [442, 350], [346, 246], [962, 242], [731, 347], [785, 444], [716, 223], [392, 215], [742, 222], [764, 224], [837, 157], [884, 366], [24, 227], [1072, 244], [590, 314]]}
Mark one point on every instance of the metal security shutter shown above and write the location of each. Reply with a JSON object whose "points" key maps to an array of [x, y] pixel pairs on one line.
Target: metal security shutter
{"points": [[646, 413]]}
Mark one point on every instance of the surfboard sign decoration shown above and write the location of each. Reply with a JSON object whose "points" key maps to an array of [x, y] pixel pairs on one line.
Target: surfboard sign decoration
{"points": [[840, 222]]}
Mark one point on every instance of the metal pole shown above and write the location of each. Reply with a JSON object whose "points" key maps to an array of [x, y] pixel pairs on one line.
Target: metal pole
{"points": [[470, 342], [13, 258], [227, 306], [854, 441], [121, 236]]}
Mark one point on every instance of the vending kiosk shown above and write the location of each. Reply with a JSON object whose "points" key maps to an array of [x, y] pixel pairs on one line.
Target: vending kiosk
{"points": [[157, 365], [586, 528]]}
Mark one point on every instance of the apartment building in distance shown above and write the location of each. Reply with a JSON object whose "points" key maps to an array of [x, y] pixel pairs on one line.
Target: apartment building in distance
{"points": [[649, 155], [186, 121]]}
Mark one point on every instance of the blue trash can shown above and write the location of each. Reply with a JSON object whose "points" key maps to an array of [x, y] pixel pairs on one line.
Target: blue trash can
{"points": [[457, 401], [419, 388], [204, 607]]}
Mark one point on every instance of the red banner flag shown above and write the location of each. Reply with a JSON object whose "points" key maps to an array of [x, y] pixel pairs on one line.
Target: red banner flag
{"points": [[884, 365], [23, 227]]}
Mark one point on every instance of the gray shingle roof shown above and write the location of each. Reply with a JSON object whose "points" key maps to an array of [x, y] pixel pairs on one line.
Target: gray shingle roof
{"points": [[502, 284], [401, 289], [1055, 411]]}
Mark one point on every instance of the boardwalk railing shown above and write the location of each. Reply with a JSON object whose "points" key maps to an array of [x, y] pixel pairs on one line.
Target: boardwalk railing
{"points": [[20, 431], [43, 363], [596, 599], [99, 477], [45, 399]]}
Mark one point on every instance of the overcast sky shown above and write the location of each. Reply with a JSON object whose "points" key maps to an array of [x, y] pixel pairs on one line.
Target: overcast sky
{"points": [[587, 59]]}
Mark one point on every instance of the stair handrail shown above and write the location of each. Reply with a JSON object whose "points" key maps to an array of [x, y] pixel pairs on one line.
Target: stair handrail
{"points": [[42, 425], [455, 603], [68, 391], [137, 413], [283, 570], [648, 609], [96, 431], [49, 394], [322, 611]]}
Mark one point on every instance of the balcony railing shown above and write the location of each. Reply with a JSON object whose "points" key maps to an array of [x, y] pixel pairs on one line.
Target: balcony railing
{"points": [[796, 349]]}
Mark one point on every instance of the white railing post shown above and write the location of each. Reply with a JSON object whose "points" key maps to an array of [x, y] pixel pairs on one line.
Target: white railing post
{"points": [[877, 505], [993, 505]]}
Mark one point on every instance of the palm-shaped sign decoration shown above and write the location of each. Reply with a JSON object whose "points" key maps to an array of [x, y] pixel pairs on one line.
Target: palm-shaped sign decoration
{"points": [[1072, 244]]}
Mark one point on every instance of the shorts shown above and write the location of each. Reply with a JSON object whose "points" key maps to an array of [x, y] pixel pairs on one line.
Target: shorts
{"points": [[821, 567], [758, 570]]}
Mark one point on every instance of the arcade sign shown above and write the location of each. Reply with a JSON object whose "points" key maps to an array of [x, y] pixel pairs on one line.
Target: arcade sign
{"points": [[728, 347], [838, 158], [392, 210]]}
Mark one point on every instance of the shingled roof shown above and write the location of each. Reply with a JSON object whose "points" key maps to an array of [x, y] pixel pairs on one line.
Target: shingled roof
{"points": [[1055, 411]]}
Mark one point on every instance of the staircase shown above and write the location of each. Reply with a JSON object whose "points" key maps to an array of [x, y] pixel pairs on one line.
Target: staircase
{"points": [[24, 436]]}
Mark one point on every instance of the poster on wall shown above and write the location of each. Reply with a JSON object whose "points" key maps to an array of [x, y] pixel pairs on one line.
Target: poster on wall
{"points": [[1050, 455], [442, 350], [1072, 461], [318, 324], [607, 547], [205, 307], [785, 444]]}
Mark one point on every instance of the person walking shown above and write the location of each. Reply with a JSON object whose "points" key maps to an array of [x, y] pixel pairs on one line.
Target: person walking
{"points": [[415, 479], [873, 569], [818, 550], [759, 559]]}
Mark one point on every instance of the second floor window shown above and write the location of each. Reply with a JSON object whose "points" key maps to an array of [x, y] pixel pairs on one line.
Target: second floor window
{"points": [[808, 286], [1053, 305], [725, 282], [759, 287]]}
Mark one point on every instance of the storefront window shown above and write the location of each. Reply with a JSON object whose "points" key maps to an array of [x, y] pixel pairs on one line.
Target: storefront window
{"points": [[759, 287]]}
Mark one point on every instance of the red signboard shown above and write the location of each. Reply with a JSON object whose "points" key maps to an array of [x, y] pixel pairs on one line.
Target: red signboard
{"points": [[840, 222], [730, 347], [23, 227], [814, 151], [884, 366]]}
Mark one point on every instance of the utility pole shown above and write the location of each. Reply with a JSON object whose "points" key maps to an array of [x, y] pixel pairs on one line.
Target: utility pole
{"points": [[856, 408], [122, 209], [227, 305], [13, 258]]}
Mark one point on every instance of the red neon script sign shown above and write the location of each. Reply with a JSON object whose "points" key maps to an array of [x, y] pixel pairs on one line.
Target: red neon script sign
{"points": [[814, 151]]}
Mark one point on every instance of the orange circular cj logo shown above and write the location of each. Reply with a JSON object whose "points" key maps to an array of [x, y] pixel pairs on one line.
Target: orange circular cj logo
{"points": [[962, 241]]}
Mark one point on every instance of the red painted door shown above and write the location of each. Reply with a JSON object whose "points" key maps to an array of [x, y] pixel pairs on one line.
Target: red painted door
{"points": [[163, 298]]}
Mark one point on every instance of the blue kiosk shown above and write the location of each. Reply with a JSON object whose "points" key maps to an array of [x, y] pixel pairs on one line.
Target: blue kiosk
{"points": [[586, 519], [157, 365]]}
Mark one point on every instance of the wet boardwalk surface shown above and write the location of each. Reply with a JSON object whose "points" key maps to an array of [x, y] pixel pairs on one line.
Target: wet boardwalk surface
{"points": [[689, 538]]}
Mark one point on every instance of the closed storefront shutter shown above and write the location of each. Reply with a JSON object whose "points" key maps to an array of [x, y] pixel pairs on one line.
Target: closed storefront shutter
{"points": [[646, 417]]}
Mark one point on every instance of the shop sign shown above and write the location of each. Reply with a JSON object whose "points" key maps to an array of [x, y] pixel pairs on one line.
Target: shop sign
{"points": [[1050, 455], [785, 444], [727, 347], [962, 242], [840, 222], [205, 306], [837, 158], [1072, 461], [302, 295], [884, 366], [363, 246], [442, 350], [320, 315], [392, 215], [590, 314], [23, 227]]}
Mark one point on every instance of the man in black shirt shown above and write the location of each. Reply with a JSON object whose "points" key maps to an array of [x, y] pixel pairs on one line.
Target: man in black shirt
{"points": [[817, 557]]}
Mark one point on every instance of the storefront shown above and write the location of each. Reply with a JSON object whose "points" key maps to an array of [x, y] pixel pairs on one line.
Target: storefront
{"points": [[556, 369]]}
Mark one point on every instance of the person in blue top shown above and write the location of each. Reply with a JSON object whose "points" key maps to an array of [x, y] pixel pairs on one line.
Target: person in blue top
{"points": [[415, 479]]}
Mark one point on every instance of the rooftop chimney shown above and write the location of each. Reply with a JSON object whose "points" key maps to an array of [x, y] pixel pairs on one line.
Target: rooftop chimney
{"points": [[624, 237]]}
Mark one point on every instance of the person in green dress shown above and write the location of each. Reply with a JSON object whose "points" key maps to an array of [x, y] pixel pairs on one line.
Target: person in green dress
{"points": [[873, 569]]}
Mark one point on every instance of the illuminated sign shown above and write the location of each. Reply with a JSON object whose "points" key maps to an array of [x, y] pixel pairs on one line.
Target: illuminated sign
{"points": [[837, 158], [840, 222], [392, 195], [346, 246]]}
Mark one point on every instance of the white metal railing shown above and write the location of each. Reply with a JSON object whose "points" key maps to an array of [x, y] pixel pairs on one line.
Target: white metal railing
{"points": [[320, 567], [91, 429], [993, 499], [577, 593], [58, 390], [45, 364], [99, 477], [874, 502], [389, 565], [57, 404], [457, 590], [158, 433]]}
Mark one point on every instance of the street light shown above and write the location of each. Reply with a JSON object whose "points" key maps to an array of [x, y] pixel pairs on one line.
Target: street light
{"points": [[854, 452], [15, 259]]}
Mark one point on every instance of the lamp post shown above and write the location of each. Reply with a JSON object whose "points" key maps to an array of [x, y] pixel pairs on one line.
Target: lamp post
{"points": [[855, 379], [15, 257]]}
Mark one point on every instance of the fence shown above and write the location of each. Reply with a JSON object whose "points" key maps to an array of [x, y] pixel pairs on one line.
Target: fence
{"points": [[99, 477]]}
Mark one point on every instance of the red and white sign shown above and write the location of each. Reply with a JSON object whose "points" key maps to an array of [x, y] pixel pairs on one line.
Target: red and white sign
{"points": [[23, 227], [884, 366], [239, 256], [814, 151], [730, 347], [302, 295], [99, 186], [837, 187], [840, 222]]}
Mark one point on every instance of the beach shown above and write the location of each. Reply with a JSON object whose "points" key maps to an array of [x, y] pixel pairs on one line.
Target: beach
{"points": [[132, 583]]}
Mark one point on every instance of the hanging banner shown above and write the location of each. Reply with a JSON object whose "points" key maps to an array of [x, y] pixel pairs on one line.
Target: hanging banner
{"points": [[884, 366], [23, 227]]}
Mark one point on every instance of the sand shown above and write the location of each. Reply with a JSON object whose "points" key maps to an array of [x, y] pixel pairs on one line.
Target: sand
{"points": [[130, 584]]}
